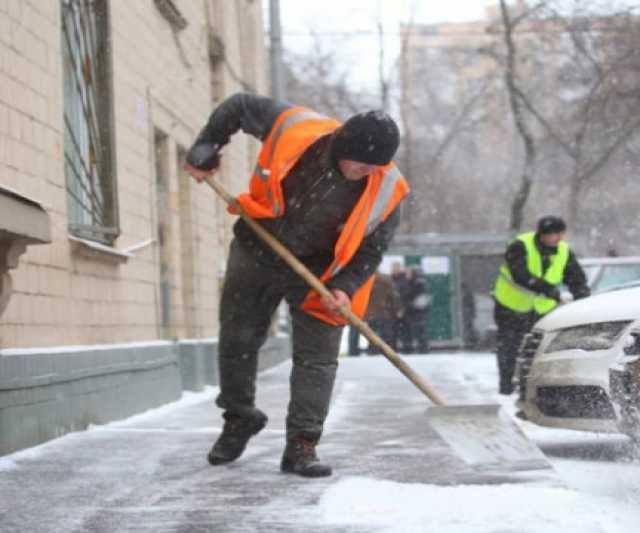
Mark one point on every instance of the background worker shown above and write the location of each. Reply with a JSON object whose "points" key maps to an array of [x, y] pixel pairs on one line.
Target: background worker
{"points": [[401, 327], [528, 287], [353, 341], [382, 311], [330, 194], [418, 302]]}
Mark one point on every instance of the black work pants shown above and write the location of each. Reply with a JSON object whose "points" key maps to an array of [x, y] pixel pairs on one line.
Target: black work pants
{"points": [[383, 327], [251, 294], [402, 334], [354, 341], [418, 324], [512, 327]]}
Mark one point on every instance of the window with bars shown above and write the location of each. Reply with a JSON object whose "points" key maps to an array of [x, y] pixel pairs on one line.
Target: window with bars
{"points": [[89, 153]]}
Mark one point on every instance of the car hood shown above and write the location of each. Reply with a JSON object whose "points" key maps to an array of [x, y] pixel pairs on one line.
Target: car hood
{"points": [[613, 306]]}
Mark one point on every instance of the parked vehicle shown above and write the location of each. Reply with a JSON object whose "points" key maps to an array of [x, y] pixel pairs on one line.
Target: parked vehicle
{"points": [[565, 361]]}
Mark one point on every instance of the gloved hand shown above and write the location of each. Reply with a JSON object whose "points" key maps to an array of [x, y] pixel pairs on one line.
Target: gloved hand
{"points": [[204, 156], [553, 293]]}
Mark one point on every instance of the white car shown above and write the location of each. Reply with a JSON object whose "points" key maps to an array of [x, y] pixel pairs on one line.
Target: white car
{"points": [[566, 384]]}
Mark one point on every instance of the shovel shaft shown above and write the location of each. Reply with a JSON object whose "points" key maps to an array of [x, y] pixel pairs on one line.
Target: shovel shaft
{"points": [[318, 286]]}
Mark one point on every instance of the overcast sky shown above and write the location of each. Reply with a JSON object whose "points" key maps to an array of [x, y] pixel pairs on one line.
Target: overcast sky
{"points": [[363, 14], [350, 26]]}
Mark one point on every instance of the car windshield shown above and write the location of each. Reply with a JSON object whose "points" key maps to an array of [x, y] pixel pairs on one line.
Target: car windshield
{"points": [[591, 272], [616, 275]]}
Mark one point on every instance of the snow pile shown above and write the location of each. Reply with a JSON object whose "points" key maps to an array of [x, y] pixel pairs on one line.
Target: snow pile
{"points": [[187, 399], [387, 506]]}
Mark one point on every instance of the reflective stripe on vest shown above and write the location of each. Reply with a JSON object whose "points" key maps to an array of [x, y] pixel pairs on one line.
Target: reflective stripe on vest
{"points": [[281, 148], [264, 172], [376, 215], [385, 190], [521, 299], [377, 212]]}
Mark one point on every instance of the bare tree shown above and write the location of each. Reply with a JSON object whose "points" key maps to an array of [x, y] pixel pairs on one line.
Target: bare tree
{"points": [[443, 118], [521, 120], [572, 74], [602, 68], [319, 79]]}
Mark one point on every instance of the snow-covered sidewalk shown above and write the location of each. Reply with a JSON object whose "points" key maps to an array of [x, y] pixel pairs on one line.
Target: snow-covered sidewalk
{"points": [[392, 472]]}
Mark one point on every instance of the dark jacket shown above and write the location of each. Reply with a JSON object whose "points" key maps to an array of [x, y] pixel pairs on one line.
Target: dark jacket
{"points": [[384, 301], [318, 198], [418, 295]]}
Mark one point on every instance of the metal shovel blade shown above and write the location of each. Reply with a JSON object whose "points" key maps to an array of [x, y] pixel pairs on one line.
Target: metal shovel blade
{"points": [[486, 438]]}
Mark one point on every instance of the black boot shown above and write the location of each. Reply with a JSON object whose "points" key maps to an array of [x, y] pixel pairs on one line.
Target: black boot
{"points": [[236, 433], [300, 458]]}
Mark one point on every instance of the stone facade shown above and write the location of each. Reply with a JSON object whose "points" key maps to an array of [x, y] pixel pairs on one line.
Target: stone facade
{"points": [[165, 81]]}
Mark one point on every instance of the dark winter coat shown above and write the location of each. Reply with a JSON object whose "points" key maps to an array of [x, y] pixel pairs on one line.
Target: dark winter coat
{"points": [[401, 285], [318, 198], [384, 301], [418, 295]]}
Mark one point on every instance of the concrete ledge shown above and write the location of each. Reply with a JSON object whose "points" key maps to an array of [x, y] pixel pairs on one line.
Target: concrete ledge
{"points": [[52, 391], [47, 394], [198, 363], [23, 221], [23, 218], [199, 360]]}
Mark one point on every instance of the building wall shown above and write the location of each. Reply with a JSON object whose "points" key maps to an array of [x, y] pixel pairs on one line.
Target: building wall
{"points": [[164, 87]]}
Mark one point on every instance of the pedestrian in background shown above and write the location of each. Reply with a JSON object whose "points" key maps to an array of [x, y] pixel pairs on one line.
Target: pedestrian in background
{"points": [[418, 304], [401, 327], [354, 342], [382, 311]]}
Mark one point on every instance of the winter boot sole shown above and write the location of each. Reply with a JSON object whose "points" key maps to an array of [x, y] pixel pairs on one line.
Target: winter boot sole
{"points": [[312, 470]]}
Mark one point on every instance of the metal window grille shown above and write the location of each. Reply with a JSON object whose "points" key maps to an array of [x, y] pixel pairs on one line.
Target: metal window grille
{"points": [[88, 133]]}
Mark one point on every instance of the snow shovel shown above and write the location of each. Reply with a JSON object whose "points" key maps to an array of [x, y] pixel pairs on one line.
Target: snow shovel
{"points": [[481, 435]]}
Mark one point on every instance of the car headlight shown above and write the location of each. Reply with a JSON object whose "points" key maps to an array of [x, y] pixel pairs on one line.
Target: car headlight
{"points": [[589, 337]]}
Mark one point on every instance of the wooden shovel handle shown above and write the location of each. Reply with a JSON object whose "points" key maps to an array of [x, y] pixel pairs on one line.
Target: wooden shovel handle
{"points": [[318, 286]]}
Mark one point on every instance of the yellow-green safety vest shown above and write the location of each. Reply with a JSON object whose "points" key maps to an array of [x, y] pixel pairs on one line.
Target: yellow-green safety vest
{"points": [[519, 298]]}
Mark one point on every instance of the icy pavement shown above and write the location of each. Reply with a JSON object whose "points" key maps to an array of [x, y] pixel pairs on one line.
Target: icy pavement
{"points": [[392, 473]]}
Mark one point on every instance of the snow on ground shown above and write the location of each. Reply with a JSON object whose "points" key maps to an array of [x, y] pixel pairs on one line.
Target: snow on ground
{"points": [[602, 492], [187, 399], [407, 508], [11, 461]]}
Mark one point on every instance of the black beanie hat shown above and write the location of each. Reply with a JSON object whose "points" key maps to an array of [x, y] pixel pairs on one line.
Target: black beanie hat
{"points": [[371, 137], [551, 224]]}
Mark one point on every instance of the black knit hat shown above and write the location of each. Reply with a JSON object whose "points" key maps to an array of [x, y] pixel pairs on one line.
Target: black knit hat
{"points": [[371, 137], [551, 224]]}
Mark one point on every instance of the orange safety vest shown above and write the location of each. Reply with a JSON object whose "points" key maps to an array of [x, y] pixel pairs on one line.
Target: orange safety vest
{"points": [[293, 132]]}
